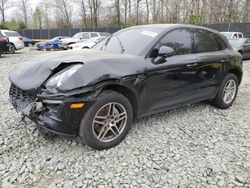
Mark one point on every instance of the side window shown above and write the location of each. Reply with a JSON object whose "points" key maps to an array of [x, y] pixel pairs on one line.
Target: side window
{"points": [[235, 35], [93, 35], [240, 35], [179, 40], [85, 36], [205, 42]]}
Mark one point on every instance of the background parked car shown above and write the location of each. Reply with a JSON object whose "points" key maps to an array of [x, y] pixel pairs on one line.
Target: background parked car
{"points": [[28, 41], [86, 44], [241, 45], [82, 36], [232, 35], [15, 39], [54, 43], [4, 44]]}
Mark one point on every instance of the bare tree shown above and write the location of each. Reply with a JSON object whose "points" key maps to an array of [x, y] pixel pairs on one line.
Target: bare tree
{"points": [[118, 14], [125, 4], [64, 12], [3, 7], [137, 11], [147, 9], [23, 6], [83, 11]]}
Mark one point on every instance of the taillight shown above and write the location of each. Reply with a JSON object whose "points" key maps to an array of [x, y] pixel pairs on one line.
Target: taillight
{"points": [[4, 38]]}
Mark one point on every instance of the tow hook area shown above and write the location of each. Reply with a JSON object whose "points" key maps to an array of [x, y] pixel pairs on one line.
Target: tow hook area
{"points": [[37, 106], [32, 108]]}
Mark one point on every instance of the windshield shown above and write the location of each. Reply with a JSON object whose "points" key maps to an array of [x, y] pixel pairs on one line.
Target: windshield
{"points": [[131, 41], [55, 39], [77, 35], [236, 42], [12, 34]]}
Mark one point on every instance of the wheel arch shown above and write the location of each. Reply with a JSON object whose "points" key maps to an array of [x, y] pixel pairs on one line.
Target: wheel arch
{"points": [[13, 44], [237, 72], [125, 91]]}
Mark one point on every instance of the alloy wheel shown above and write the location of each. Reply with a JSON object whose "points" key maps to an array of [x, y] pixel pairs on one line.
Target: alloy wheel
{"points": [[109, 122], [229, 91]]}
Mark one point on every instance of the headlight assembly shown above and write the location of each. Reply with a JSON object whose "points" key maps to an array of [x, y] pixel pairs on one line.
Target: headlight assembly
{"points": [[57, 79]]}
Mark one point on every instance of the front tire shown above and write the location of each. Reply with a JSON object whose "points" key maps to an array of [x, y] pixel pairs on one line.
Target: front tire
{"points": [[227, 92], [107, 122]]}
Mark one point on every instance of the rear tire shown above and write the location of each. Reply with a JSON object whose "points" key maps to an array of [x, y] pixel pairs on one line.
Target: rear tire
{"points": [[12, 48], [107, 122], [227, 92]]}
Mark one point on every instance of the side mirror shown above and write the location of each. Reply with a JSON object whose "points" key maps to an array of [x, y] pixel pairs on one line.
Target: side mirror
{"points": [[166, 51]]}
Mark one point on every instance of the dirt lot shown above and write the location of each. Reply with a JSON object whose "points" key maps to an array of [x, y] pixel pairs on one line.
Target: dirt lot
{"points": [[193, 146]]}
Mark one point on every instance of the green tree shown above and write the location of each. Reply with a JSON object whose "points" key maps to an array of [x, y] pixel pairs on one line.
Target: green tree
{"points": [[37, 17], [22, 25]]}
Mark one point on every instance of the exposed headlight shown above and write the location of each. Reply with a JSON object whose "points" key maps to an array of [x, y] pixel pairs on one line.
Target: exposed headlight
{"points": [[57, 80]]}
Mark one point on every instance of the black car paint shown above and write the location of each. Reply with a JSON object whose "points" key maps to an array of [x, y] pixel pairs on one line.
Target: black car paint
{"points": [[191, 78], [4, 44]]}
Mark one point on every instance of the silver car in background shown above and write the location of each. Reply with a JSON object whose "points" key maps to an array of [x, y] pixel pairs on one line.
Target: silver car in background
{"points": [[242, 46], [86, 44], [16, 40]]}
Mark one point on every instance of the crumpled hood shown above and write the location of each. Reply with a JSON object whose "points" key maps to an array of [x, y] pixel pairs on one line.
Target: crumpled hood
{"points": [[97, 66]]}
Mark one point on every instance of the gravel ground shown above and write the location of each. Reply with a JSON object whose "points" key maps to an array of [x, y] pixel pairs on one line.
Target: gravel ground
{"points": [[193, 146]]}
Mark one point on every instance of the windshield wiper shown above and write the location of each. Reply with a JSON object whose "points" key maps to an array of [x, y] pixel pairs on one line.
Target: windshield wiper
{"points": [[122, 47]]}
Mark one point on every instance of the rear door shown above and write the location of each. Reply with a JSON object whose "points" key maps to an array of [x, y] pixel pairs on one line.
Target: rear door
{"points": [[211, 59]]}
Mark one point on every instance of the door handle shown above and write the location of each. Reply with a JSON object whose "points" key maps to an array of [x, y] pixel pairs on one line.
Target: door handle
{"points": [[224, 60], [192, 65]]}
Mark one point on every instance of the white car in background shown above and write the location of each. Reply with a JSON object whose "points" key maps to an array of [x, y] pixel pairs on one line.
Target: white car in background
{"points": [[233, 35], [86, 44], [16, 40], [82, 36]]}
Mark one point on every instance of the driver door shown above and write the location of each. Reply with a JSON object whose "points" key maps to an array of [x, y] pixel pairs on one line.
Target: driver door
{"points": [[174, 81]]}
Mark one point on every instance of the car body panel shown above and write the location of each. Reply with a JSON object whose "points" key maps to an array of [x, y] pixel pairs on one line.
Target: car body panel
{"points": [[111, 66], [4, 44]]}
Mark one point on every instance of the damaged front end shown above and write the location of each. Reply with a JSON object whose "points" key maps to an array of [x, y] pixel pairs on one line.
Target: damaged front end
{"points": [[57, 113]]}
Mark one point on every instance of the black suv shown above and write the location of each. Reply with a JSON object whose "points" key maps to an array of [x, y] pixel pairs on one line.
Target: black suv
{"points": [[141, 70]]}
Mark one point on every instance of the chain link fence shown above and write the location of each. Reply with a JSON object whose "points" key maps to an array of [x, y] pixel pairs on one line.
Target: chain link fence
{"points": [[236, 27], [50, 33]]}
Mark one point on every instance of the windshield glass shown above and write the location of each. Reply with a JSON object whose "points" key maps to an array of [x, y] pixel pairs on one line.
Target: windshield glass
{"points": [[55, 39], [77, 35], [131, 41]]}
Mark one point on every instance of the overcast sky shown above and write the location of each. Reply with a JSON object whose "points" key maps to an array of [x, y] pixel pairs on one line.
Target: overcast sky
{"points": [[11, 11]]}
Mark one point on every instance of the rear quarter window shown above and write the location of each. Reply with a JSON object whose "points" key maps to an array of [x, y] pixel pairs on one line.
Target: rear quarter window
{"points": [[221, 44], [205, 42], [12, 34]]}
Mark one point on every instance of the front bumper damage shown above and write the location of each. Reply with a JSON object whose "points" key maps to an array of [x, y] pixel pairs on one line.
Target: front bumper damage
{"points": [[51, 112]]}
